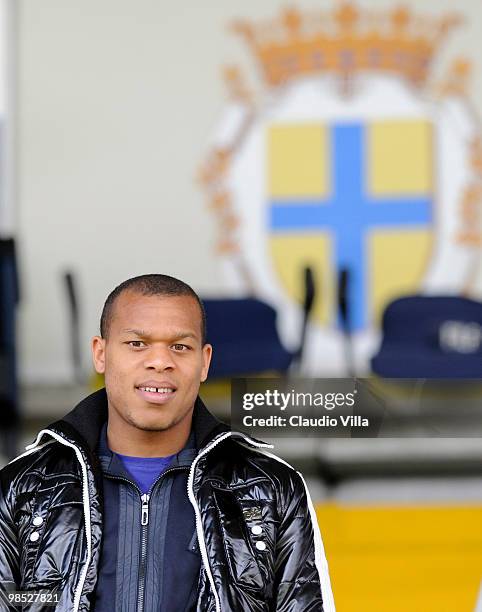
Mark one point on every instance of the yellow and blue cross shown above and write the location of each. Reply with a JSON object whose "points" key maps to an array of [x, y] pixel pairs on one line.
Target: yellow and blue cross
{"points": [[350, 180]]}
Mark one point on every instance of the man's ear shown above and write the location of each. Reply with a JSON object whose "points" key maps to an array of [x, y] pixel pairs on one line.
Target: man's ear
{"points": [[98, 354], [207, 354]]}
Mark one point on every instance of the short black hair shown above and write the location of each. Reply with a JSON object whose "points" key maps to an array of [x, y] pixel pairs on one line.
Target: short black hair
{"points": [[152, 285]]}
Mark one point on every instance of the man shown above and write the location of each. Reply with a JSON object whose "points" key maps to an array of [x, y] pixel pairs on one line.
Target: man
{"points": [[139, 500]]}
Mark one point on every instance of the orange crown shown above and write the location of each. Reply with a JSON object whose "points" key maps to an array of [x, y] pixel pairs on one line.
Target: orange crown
{"points": [[346, 40]]}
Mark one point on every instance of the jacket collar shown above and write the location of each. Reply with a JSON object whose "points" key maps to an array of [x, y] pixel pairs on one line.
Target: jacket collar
{"points": [[112, 464], [83, 424]]}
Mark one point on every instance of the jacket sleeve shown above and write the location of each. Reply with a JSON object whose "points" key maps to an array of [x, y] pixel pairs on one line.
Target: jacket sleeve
{"points": [[9, 549], [302, 582]]}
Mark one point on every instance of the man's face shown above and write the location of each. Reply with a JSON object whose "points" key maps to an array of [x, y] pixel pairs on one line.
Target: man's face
{"points": [[153, 342]]}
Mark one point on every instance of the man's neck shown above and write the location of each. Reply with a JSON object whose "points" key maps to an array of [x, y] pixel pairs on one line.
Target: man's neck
{"points": [[135, 442]]}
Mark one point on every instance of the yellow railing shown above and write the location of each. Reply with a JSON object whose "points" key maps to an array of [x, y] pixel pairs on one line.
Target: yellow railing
{"points": [[403, 558]]}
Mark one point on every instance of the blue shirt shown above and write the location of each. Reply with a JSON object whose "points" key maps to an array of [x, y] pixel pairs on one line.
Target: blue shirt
{"points": [[145, 470]]}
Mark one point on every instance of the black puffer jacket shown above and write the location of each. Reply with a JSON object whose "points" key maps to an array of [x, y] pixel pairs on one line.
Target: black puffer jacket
{"points": [[233, 486]]}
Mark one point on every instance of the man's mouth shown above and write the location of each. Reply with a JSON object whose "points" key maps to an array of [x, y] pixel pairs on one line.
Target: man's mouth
{"points": [[157, 389], [156, 395]]}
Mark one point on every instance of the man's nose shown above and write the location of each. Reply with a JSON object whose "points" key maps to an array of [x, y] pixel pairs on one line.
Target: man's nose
{"points": [[159, 358]]}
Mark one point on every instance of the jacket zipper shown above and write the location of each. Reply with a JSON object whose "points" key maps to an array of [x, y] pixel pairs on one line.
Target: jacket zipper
{"points": [[144, 527], [142, 569]]}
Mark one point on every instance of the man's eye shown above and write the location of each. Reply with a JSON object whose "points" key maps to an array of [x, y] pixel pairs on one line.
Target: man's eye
{"points": [[181, 347], [135, 343]]}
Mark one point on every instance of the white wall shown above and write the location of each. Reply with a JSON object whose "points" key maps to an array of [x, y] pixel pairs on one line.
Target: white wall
{"points": [[117, 99]]}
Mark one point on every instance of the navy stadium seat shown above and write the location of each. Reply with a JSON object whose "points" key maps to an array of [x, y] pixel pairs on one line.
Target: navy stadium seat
{"points": [[9, 298], [244, 338], [431, 337]]}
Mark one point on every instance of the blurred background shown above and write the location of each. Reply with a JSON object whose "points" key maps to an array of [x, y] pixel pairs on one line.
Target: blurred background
{"points": [[314, 171]]}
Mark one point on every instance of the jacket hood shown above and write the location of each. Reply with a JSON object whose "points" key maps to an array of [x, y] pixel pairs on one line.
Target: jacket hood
{"points": [[85, 421]]}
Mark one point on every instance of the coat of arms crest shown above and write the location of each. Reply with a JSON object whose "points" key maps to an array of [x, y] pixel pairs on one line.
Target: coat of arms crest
{"points": [[351, 158]]}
